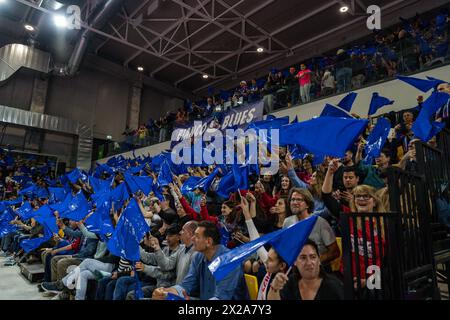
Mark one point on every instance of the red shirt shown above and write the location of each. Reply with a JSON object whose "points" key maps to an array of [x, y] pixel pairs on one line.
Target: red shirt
{"points": [[306, 79]]}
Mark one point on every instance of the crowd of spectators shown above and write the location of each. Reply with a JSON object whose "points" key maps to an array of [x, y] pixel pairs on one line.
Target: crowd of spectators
{"points": [[189, 229]]}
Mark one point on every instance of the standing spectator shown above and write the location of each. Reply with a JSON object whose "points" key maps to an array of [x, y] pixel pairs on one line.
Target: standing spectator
{"points": [[304, 78], [343, 71], [292, 87], [268, 94], [328, 83], [358, 71]]}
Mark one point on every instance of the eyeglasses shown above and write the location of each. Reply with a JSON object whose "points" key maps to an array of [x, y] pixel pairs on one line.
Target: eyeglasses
{"points": [[362, 196], [297, 200]]}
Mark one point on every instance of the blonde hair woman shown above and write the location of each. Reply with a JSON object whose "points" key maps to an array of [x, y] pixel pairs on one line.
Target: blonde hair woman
{"points": [[366, 200]]}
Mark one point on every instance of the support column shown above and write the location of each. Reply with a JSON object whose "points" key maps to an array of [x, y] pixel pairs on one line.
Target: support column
{"points": [[39, 96], [134, 107]]}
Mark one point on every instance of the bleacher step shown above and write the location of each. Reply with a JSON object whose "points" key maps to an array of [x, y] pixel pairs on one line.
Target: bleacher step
{"points": [[33, 272]]}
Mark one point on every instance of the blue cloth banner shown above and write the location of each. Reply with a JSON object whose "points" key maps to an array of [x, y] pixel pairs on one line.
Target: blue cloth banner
{"points": [[129, 232], [378, 102], [347, 102], [376, 140], [423, 127], [324, 135], [287, 242], [77, 208]]}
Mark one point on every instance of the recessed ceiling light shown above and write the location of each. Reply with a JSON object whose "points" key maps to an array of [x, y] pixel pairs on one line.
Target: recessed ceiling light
{"points": [[60, 21], [28, 27], [260, 50], [140, 69], [205, 76], [343, 9]]}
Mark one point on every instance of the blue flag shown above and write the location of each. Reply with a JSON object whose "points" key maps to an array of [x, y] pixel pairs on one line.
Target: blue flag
{"points": [[323, 135], [99, 184], [287, 242], [347, 102], [44, 215], [119, 195], [165, 175], [29, 192], [333, 111], [241, 175], [193, 183], [41, 193], [77, 209], [378, 102], [129, 232], [25, 212], [74, 175], [423, 127], [31, 244], [376, 140], [136, 183], [421, 84], [57, 194], [62, 206]]}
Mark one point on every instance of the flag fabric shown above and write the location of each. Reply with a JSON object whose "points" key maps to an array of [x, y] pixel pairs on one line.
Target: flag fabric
{"points": [[5, 227], [119, 195], [165, 175], [421, 84], [77, 208], [62, 206], [240, 174], [41, 193], [226, 185], [31, 244], [57, 194], [378, 102], [376, 140], [44, 215], [139, 183], [333, 111], [25, 212], [29, 192], [74, 175], [287, 242], [423, 127], [324, 135], [99, 184], [347, 102], [193, 183], [129, 232]]}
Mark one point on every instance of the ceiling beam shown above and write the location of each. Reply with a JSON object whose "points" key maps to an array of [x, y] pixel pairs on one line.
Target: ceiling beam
{"points": [[131, 16], [217, 33], [169, 29], [254, 25], [304, 17]]}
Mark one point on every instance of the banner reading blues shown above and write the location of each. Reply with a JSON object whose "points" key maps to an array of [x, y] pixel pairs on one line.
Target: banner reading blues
{"points": [[237, 117]]}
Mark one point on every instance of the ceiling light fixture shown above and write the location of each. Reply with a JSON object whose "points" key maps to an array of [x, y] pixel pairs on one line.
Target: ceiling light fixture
{"points": [[205, 76], [343, 9], [60, 21], [260, 50], [140, 68], [28, 27]]}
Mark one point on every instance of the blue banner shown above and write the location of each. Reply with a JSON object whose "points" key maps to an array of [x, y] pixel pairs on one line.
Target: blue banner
{"points": [[239, 117]]}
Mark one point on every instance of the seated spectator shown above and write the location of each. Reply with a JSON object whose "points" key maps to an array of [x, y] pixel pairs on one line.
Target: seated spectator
{"points": [[301, 205], [308, 281], [199, 279]]}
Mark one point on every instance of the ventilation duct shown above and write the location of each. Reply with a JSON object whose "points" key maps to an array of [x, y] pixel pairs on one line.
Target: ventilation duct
{"points": [[15, 56], [107, 10]]}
